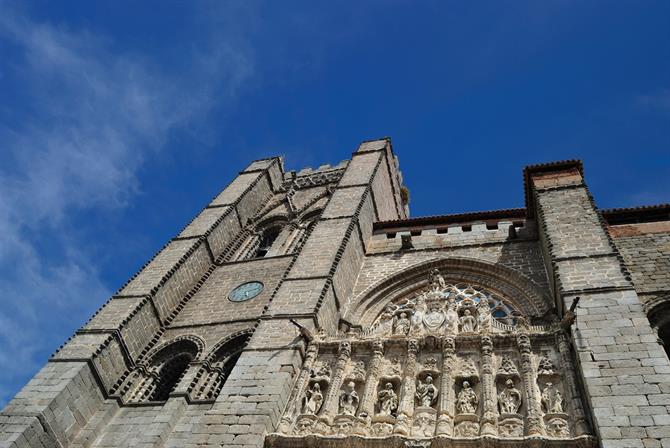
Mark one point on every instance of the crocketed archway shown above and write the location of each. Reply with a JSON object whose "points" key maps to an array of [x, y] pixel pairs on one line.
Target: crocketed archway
{"points": [[519, 290]]}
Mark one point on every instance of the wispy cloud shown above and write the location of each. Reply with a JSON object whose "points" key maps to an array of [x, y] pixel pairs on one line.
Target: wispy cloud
{"points": [[659, 100], [96, 116]]}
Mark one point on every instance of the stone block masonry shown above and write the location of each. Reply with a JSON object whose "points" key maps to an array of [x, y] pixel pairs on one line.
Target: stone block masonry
{"points": [[353, 325]]}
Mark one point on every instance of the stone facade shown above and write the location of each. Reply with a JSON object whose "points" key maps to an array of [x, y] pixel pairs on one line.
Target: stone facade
{"points": [[307, 310]]}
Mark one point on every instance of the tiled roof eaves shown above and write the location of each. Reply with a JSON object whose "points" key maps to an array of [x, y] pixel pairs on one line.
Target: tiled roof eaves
{"points": [[634, 215], [459, 218]]}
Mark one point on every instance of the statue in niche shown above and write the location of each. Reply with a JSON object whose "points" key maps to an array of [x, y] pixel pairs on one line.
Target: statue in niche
{"points": [[466, 403], [349, 399], [484, 314], [468, 322], [402, 324], [388, 400], [437, 282], [509, 399], [426, 392], [552, 400], [313, 400], [452, 318], [546, 366], [507, 366], [434, 318]]}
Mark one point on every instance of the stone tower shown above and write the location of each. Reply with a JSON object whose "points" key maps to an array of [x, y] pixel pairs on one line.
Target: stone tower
{"points": [[307, 310]]}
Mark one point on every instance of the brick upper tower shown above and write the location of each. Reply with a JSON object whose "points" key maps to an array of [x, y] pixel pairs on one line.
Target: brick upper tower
{"points": [[306, 309]]}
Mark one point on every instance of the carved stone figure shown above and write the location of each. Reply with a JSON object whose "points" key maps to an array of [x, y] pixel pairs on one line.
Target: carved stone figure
{"points": [[509, 399], [349, 399], [558, 427], [388, 400], [434, 318], [426, 392], [511, 427], [467, 429], [402, 324], [419, 312], [304, 426], [546, 366], [385, 322], [313, 400], [451, 318], [467, 401], [382, 429], [468, 322], [484, 315], [552, 400], [437, 282]]}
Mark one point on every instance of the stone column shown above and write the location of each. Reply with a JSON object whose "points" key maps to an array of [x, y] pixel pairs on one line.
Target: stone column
{"points": [[299, 389], [576, 406], [445, 418], [406, 406], [367, 406], [489, 416], [329, 408], [534, 418]]}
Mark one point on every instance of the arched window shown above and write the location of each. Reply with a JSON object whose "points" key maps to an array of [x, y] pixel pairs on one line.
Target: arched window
{"points": [[659, 317], [267, 239], [157, 379], [211, 377]]}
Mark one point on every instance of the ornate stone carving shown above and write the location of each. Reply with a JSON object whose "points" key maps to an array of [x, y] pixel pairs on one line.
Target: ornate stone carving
{"points": [[552, 400], [348, 399], [467, 429], [511, 427], [313, 400], [468, 322], [467, 400], [387, 401], [507, 368], [402, 324], [509, 400], [467, 369], [546, 366], [426, 392], [358, 371], [557, 427], [424, 423]]}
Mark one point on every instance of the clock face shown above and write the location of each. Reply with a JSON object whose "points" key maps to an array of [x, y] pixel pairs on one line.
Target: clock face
{"points": [[246, 291]]}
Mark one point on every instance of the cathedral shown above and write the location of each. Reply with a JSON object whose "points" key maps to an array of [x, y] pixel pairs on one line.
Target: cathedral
{"points": [[307, 309]]}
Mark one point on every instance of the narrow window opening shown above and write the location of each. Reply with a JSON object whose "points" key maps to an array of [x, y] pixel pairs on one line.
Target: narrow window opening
{"points": [[268, 238]]}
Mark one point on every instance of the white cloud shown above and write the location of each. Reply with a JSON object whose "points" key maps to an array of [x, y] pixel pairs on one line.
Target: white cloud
{"points": [[95, 117]]}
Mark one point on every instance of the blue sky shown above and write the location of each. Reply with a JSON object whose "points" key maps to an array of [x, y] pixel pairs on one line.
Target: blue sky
{"points": [[119, 120]]}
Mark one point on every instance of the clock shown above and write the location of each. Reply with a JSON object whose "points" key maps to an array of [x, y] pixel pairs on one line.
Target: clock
{"points": [[246, 291]]}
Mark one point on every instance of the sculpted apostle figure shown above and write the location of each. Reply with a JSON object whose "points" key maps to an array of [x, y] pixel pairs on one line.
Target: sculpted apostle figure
{"points": [[349, 399], [552, 400], [402, 324], [466, 403], [426, 392], [484, 315], [468, 322], [509, 399], [388, 400], [452, 318], [313, 400], [436, 280]]}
